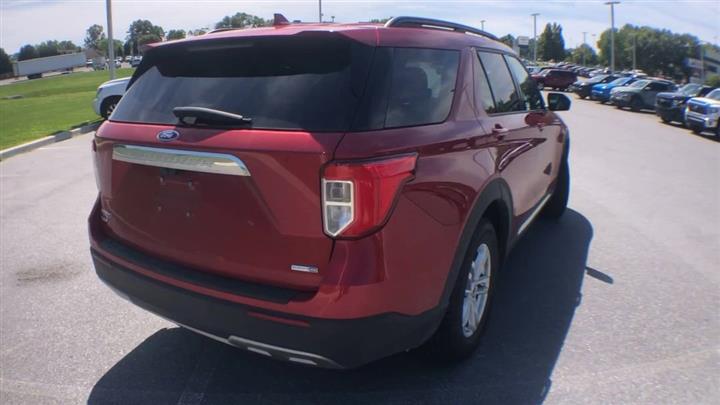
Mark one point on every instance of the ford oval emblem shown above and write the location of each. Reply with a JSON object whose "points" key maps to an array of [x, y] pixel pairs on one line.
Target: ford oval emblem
{"points": [[168, 135]]}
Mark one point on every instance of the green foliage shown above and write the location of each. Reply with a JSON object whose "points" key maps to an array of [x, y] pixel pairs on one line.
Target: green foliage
{"points": [[119, 48], [175, 34], [93, 36], [48, 105], [242, 20], [27, 52], [659, 51], [145, 30], [5, 64], [551, 45], [713, 80], [508, 40], [199, 31], [47, 48], [576, 55]]}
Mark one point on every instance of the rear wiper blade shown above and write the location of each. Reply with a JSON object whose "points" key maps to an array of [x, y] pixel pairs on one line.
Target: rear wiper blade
{"points": [[193, 115]]}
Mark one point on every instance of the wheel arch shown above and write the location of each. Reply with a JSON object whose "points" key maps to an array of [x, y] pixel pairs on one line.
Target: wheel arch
{"points": [[106, 101], [494, 204]]}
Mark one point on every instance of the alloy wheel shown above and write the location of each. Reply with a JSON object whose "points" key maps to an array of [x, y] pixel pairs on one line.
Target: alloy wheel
{"points": [[476, 290]]}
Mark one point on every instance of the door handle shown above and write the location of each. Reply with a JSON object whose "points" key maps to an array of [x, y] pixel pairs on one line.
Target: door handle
{"points": [[499, 131]]}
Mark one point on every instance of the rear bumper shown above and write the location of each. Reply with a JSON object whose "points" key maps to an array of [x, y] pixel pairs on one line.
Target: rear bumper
{"points": [[329, 343]]}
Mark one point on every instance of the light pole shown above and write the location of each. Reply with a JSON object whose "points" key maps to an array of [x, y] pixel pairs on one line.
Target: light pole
{"points": [[482, 25], [111, 42], [635, 51], [534, 16], [584, 46], [320, 11], [612, 33]]}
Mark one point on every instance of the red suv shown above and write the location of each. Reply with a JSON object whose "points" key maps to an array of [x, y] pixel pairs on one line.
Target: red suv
{"points": [[325, 194], [558, 79]]}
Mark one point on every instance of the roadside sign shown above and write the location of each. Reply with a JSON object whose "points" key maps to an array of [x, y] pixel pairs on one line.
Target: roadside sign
{"points": [[523, 41]]}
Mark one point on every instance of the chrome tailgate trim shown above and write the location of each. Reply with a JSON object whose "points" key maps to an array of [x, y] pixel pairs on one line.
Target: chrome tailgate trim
{"points": [[205, 162]]}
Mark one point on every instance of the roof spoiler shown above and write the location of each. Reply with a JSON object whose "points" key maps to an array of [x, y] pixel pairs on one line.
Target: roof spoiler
{"points": [[420, 22]]}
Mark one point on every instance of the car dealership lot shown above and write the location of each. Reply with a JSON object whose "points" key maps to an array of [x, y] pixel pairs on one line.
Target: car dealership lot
{"points": [[616, 303]]}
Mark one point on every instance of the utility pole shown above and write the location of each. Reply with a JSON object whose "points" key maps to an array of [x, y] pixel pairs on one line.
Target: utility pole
{"points": [[111, 42], [635, 51], [534, 16], [482, 25], [584, 46], [320, 11], [612, 34], [702, 62]]}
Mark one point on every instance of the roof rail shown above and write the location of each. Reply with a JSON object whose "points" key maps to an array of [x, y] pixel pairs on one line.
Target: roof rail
{"points": [[420, 22]]}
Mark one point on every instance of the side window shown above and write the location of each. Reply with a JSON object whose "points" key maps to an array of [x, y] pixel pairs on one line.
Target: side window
{"points": [[503, 88], [530, 93], [483, 94], [423, 84]]}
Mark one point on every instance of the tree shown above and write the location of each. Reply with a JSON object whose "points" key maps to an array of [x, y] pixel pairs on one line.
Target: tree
{"points": [[711, 80], [242, 20], [93, 36], [551, 45], [47, 48], [148, 39], [67, 46], [5, 64], [176, 34], [143, 28], [27, 52], [659, 51], [583, 53], [119, 48], [199, 31], [508, 40], [127, 48]]}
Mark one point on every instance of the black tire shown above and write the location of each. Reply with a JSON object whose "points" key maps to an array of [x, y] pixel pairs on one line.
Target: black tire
{"points": [[449, 341], [557, 204], [665, 119], [108, 106], [636, 104], [696, 129]]}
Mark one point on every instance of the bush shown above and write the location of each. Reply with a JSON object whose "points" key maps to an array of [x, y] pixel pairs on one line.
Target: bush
{"points": [[713, 80]]}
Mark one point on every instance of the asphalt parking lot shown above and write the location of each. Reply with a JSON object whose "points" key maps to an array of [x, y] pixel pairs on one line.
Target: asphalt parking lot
{"points": [[616, 303]]}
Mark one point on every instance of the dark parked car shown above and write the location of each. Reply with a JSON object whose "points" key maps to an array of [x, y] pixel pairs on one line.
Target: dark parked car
{"points": [[671, 106], [558, 79], [584, 88], [640, 94], [359, 204]]}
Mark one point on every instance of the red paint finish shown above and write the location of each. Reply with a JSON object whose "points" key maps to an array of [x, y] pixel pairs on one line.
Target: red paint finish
{"points": [[254, 228]]}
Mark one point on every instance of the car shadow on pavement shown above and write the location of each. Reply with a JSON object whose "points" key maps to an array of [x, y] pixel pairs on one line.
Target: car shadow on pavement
{"points": [[535, 302]]}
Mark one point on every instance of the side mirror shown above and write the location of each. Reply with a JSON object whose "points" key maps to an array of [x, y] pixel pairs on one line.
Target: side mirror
{"points": [[558, 102]]}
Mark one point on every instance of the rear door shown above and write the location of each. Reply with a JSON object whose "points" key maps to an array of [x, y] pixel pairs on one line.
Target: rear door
{"points": [[239, 198], [520, 140]]}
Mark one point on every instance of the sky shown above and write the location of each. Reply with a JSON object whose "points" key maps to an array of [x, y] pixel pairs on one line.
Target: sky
{"points": [[33, 21]]}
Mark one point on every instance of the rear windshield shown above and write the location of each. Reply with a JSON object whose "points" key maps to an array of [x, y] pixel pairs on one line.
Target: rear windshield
{"points": [[300, 82], [313, 82]]}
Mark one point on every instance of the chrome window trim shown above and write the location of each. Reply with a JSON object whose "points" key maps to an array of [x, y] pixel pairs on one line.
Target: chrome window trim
{"points": [[195, 161]]}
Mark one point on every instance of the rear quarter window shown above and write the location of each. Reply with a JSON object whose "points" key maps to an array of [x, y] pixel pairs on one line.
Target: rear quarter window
{"points": [[422, 86]]}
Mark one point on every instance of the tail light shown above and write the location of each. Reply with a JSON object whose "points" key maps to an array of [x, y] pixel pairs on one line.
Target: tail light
{"points": [[357, 196]]}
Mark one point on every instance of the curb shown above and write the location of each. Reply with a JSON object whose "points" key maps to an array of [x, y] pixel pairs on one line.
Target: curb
{"points": [[39, 143]]}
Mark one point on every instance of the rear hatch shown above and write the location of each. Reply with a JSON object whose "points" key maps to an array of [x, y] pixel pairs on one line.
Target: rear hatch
{"points": [[237, 197]]}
